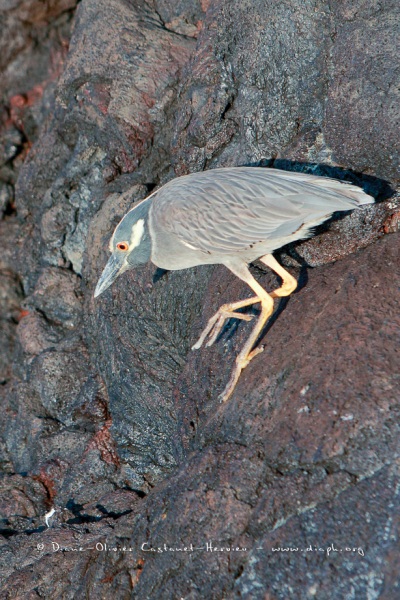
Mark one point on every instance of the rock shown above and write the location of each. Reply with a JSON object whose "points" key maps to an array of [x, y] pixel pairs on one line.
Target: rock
{"points": [[10, 313], [35, 334], [363, 99], [109, 422], [6, 198], [57, 295]]}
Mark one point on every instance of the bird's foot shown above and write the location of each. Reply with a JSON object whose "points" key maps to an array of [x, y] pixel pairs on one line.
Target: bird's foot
{"points": [[241, 363], [215, 324], [230, 385]]}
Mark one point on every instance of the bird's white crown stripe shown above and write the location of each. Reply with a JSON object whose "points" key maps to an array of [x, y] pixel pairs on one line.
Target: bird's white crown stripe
{"points": [[137, 234], [111, 244]]}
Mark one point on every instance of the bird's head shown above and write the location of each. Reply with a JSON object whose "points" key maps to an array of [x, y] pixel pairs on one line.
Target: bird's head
{"points": [[130, 246]]}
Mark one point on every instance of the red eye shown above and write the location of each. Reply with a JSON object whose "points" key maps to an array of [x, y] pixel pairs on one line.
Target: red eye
{"points": [[123, 246]]}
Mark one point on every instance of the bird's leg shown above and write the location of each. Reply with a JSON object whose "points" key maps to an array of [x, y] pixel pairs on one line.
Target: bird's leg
{"points": [[226, 311], [289, 283], [247, 352]]}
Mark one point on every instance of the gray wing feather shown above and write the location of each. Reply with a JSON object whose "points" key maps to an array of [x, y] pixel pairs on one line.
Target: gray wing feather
{"points": [[226, 210]]}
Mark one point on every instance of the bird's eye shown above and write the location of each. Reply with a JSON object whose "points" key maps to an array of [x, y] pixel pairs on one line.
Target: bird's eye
{"points": [[123, 246]]}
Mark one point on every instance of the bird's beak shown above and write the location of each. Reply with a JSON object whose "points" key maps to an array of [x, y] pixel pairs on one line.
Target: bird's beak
{"points": [[114, 267]]}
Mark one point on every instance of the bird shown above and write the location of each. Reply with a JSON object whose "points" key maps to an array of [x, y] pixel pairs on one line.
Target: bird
{"points": [[230, 216]]}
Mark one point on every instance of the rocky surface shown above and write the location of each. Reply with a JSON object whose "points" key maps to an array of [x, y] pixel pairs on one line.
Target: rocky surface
{"points": [[108, 417]]}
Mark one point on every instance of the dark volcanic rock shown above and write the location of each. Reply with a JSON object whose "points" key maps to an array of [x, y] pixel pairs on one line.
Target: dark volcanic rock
{"points": [[112, 438], [248, 85], [363, 107]]}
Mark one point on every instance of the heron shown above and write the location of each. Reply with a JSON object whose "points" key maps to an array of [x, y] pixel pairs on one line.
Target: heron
{"points": [[230, 216]]}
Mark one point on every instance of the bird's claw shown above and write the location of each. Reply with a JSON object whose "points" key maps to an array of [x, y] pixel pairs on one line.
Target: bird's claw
{"points": [[254, 353], [230, 385], [215, 324], [241, 363]]}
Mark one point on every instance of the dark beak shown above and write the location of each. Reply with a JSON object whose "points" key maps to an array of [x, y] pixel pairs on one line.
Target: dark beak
{"points": [[113, 268]]}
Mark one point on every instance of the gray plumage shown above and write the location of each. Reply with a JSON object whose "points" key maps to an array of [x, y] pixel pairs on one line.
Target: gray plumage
{"points": [[244, 212], [229, 216]]}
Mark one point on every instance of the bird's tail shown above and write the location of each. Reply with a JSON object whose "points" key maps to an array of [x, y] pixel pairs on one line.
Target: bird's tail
{"points": [[347, 189]]}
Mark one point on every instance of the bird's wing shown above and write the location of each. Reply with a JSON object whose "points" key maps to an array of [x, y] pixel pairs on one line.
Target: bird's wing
{"points": [[227, 210]]}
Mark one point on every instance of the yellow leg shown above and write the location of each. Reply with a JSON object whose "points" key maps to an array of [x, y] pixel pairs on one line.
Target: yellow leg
{"points": [[289, 283], [226, 311], [247, 352]]}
